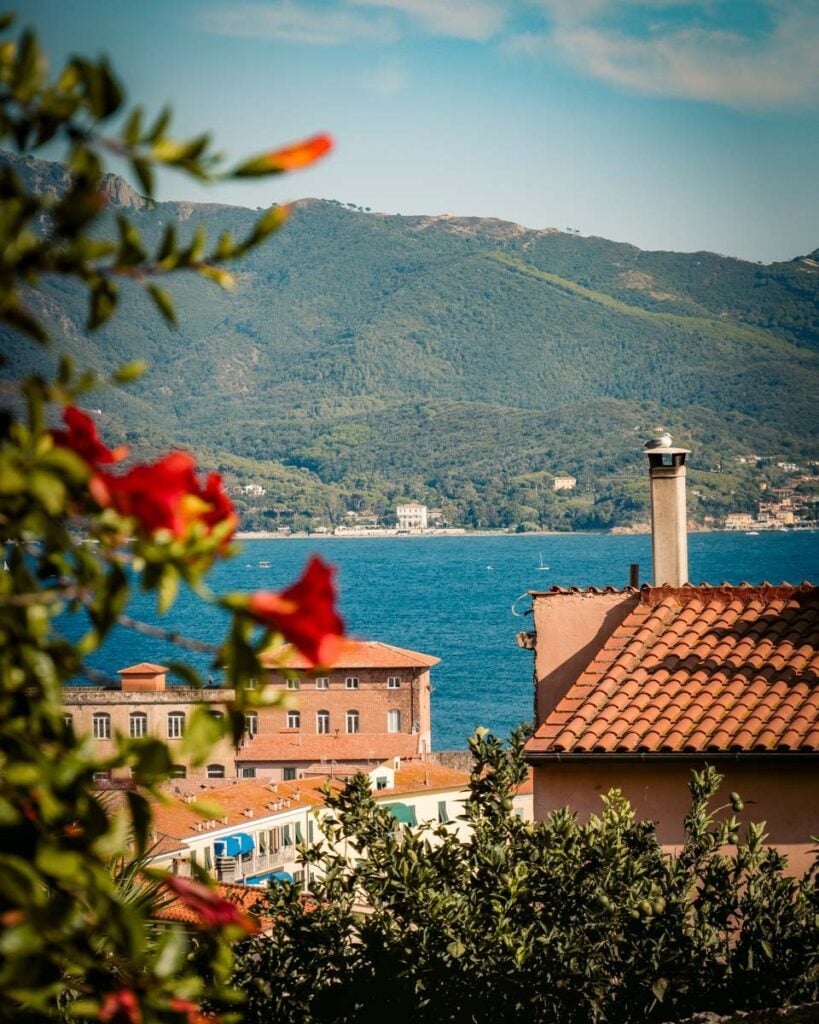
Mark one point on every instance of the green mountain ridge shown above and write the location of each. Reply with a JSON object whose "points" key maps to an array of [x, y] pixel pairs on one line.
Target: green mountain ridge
{"points": [[364, 358]]}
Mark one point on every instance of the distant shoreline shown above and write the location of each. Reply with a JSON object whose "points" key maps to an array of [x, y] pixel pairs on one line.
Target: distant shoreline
{"points": [[394, 535]]}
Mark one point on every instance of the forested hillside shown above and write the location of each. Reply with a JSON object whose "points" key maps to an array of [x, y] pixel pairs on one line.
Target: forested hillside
{"points": [[365, 358]]}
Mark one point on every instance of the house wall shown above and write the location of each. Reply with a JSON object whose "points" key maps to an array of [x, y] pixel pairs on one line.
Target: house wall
{"points": [[373, 700], [786, 796], [82, 702], [571, 629]]}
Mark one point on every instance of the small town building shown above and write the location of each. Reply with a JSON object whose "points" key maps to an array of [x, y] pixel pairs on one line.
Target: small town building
{"points": [[372, 705], [635, 688], [411, 516], [564, 483], [256, 839]]}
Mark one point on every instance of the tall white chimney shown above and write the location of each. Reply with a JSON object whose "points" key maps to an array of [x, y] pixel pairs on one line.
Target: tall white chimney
{"points": [[669, 525]]}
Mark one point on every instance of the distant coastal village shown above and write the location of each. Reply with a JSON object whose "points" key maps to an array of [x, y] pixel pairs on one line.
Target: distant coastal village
{"points": [[789, 503]]}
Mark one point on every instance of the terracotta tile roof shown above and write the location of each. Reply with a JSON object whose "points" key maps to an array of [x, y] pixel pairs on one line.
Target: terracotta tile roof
{"points": [[356, 654], [420, 778], [245, 897], [696, 670], [344, 748], [178, 820], [142, 668]]}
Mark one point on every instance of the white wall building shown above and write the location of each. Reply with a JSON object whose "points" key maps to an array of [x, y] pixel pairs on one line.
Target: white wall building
{"points": [[412, 516]]}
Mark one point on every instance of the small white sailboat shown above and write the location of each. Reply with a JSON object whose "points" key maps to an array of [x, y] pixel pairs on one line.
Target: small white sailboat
{"points": [[264, 565], [542, 565]]}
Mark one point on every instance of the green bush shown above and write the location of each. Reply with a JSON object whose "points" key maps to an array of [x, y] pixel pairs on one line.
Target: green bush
{"points": [[557, 921]]}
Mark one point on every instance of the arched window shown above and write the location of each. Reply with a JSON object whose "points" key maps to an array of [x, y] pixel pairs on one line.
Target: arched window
{"points": [[352, 721], [138, 722], [294, 720], [216, 771], [176, 725], [322, 721], [102, 725], [394, 720]]}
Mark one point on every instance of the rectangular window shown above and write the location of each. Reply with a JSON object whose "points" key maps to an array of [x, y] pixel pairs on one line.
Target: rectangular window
{"points": [[286, 840], [443, 814], [381, 782], [251, 723], [393, 683], [176, 725], [352, 721], [293, 719], [193, 857], [209, 857], [288, 774], [248, 773], [298, 877], [250, 684], [102, 727], [299, 837], [351, 682], [275, 840], [139, 725], [293, 684], [311, 831], [322, 683], [394, 721]]}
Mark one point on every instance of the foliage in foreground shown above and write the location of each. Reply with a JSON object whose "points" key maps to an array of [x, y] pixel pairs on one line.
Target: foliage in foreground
{"points": [[79, 531], [557, 921]]}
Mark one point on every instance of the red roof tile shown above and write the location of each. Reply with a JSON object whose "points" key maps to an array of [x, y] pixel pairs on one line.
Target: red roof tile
{"points": [[698, 669], [356, 654]]}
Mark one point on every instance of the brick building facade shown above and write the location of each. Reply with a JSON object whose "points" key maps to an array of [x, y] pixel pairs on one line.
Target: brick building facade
{"points": [[375, 704]]}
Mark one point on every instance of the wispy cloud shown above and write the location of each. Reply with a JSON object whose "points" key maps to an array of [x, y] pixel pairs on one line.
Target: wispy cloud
{"points": [[701, 60], [295, 22], [476, 20]]}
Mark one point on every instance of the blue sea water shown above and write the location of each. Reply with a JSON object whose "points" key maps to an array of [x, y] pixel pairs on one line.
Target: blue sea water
{"points": [[452, 597]]}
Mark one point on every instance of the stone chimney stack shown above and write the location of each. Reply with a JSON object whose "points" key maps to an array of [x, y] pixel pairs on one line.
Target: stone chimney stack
{"points": [[669, 523]]}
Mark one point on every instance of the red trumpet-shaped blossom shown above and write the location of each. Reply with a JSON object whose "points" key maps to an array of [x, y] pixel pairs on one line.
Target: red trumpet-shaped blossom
{"points": [[305, 613], [81, 437], [212, 909], [302, 154], [165, 495], [121, 1007]]}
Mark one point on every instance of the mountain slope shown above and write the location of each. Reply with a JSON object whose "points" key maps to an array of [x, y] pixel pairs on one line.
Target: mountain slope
{"points": [[365, 357]]}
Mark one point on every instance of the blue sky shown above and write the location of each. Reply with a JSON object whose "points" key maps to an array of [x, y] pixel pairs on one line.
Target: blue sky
{"points": [[668, 124]]}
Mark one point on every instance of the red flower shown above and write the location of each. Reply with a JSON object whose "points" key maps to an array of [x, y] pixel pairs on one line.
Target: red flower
{"points": [[305, 613], [302, 154], [165, 495], [194, 1014], [82, 438], [121, 1007], [214, 911]]}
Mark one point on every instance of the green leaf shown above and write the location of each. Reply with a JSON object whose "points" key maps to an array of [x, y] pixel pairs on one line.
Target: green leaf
{"points": [[167, 589], [659, 988], [171, 953], [160, 125], [130, 371], [201, 733], [145, 174], [140, 818], [102, 303], [133, 127], [163, 302]]}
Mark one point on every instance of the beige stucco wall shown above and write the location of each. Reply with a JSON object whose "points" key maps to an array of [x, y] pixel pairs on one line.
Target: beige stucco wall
{"points": [[571, 629], [784, 795]]}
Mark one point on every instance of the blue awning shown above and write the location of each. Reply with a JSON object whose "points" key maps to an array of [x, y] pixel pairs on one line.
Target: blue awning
{"points": [[268, 876], [234, 845]]}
